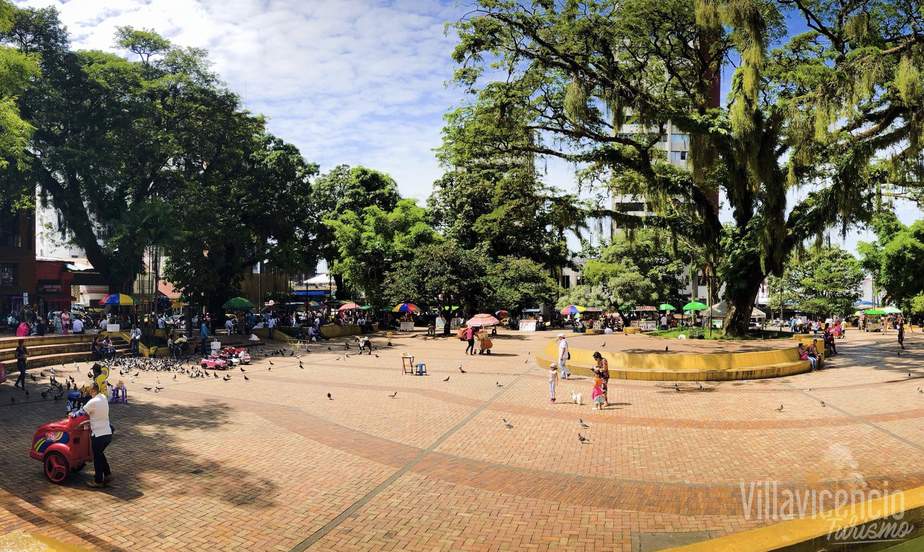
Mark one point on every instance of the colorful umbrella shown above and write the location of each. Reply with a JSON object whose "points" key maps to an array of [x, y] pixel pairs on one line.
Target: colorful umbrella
{"points": [[874, 312], [237, 304], [482, 319], [117, 299], [694, 306], [406, 307], [572, 309], [349, 306], [666, 307], [892, 310]]}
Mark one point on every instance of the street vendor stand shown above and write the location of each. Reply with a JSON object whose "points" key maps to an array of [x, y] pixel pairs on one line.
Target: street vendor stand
{"points": [[647, 318]]}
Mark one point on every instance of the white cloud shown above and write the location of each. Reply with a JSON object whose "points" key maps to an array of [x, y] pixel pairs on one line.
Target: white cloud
{"points": [[347, 81]]}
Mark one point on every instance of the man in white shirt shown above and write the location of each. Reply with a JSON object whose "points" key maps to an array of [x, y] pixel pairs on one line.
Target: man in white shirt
{"points": [[563, 356], [78, 326], [97, 408]]}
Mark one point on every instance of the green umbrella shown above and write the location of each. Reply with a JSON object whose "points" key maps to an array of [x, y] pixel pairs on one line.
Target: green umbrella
{"points": [[874, 312], [694, 306], [891, 310], [666, 307], [237, 304]]}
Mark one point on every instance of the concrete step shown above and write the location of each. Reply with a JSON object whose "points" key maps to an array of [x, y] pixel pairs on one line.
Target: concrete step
{"points": [[11, 342], [57, 359], [8, 355]]}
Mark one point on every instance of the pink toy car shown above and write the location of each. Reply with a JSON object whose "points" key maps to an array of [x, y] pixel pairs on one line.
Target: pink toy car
{"points": [[214, 363]]}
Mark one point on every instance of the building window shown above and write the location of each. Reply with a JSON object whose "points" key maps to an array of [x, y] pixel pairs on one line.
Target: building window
{"points": [[565, 282], [8, 274], [680, 141], [678, 157], [9, 228]]}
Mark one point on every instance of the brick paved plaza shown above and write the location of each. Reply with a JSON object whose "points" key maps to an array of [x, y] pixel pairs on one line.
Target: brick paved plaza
{"points": [[273, 464]]}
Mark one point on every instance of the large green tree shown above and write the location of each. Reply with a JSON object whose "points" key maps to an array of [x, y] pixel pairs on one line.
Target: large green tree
{"points": [[644, 267], [16, 69], [516, 283], [344, 189], [251, 208], [116, 140], [499, 201], [596, 82], [896, 259], [372, 242], [823, 281], [441, 275]]}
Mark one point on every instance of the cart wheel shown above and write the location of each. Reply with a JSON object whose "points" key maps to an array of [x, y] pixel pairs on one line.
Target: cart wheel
{"points": [[56, 468]]}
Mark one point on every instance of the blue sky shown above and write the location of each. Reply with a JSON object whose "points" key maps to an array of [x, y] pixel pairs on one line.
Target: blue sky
{"points": [[361, 82]]}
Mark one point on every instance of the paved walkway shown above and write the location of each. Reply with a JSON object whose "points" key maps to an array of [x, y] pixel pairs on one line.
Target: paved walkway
{"points": [[273, 464]]}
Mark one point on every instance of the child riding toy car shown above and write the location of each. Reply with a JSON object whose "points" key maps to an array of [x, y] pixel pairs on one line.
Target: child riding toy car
{"points": [[63, 447]]}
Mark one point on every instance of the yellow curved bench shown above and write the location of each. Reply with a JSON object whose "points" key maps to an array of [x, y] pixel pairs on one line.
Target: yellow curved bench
{"points": [[656, 366]]}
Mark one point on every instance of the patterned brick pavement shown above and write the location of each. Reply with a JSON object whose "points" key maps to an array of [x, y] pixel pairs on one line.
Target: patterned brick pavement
{"points": [[273, 464]]}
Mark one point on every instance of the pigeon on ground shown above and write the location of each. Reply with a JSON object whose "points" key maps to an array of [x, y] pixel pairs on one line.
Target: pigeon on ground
{"points": [[461, 370], [497, 383], [582, 424], [507, 424], [242, 369], [780, 409], [329, 397], [393, 395], [823, 404], [446, 379], [582, 439], [246, 378]]}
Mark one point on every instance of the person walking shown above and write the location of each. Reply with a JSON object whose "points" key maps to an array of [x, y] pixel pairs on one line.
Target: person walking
{"points": [[204, 336], [602, 370], [97, 408], [21, 356], [135, 340], [469, 335], [563, 356], [901, 333], [553, 380]]}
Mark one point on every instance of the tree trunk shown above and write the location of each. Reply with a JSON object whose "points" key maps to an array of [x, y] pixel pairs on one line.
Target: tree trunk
{"points": [[741, 288]]}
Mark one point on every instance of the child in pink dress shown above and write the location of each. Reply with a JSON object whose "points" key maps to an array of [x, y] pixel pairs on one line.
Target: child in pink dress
{"points": [[597, 394]]}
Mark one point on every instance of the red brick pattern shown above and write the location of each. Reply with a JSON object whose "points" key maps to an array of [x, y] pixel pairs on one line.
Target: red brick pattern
{"points": [[264, 464]]}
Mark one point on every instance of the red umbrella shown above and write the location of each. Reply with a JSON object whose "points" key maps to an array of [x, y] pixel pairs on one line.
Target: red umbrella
{"points": [[348, 306], [483, 320]]}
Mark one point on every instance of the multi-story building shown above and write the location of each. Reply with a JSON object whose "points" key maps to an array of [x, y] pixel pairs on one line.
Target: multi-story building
{"points": [[17, 259]]}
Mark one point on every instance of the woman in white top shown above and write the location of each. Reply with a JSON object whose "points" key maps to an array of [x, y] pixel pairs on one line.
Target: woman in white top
{"points": [[97, 408]]}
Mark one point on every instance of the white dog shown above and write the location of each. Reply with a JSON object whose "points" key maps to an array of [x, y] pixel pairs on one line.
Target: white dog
{"points": [[577, 398]]}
